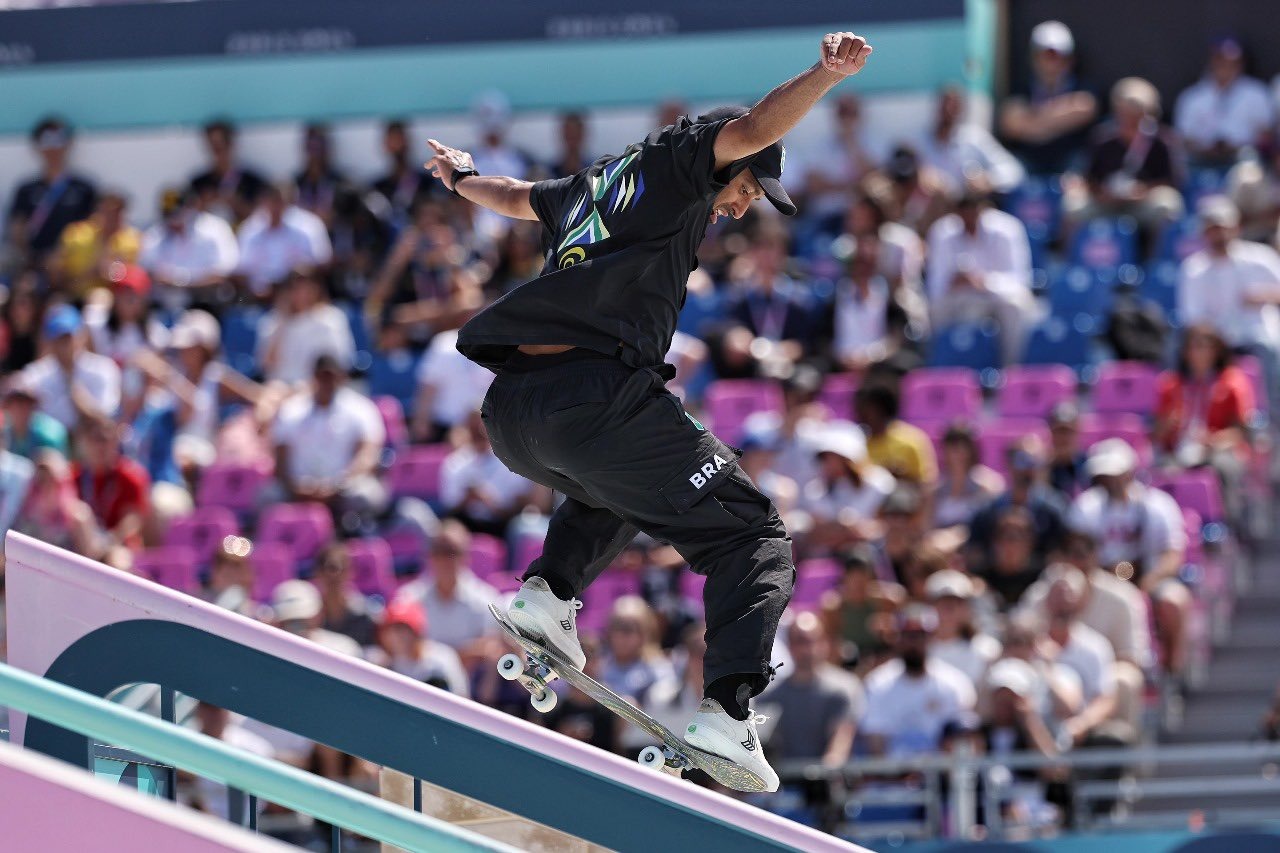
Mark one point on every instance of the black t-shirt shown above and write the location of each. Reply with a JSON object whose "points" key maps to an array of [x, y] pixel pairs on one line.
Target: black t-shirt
{"points": [[244, 184], [1056, 155], [1151, 158], [620, 239], [47, 208]]}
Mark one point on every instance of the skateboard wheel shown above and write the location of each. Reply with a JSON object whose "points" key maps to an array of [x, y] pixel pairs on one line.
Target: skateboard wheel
{"points": [[652, 757], [510, 667], [544, 700]]}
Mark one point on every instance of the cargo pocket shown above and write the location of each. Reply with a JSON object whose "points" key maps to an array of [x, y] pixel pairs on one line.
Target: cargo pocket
{"points": [[699, 475]]}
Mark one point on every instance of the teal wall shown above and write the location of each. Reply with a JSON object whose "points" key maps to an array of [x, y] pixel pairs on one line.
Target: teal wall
{"points": [[736, 65]]}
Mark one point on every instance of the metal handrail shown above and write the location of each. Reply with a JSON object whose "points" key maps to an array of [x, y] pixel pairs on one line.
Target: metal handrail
{"points": [[279, 783]]}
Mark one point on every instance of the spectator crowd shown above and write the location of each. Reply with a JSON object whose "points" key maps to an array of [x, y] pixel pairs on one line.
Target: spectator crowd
{"points": [[973, 375]]}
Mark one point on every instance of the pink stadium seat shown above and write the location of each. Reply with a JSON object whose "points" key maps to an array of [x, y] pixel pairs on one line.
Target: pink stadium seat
{"points": [[273, 564], [236, 486], [528, 548], [407, 552], [940, 394], [1252, 368], [303, 527], [202, 531], [371, 566], [174, 566], [837, 393], [598, 599], [488, 555], [813, 579], [729, 402], [1197, 489], [1032, 391], [994, 438], [1125, 386], [416, 471], [393, 421], [1095, 427]]}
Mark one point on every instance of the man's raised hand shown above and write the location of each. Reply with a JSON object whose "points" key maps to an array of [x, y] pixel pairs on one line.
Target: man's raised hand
{"points": [[844, 53], [446, 160]]}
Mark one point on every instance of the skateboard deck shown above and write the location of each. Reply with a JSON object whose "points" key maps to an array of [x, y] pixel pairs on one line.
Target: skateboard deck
{"points": [[543, 666]]}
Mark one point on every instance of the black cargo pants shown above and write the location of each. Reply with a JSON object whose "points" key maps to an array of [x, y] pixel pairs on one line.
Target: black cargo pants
{"points": [[627, 457]]}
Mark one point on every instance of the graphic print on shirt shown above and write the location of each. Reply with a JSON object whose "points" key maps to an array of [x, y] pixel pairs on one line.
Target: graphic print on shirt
{"points": [[612, 192]]}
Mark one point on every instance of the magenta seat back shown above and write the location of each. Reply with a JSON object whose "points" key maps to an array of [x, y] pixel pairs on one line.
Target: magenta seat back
{"points": [[407, 552], [393, 421], [1125, 386], [1095, 428], [416, 471], [174, 566], [814, 578], [1252, 368], [528, 548], [273, 564], [203, 531], [488, 555], [730, 402], [1197, 490], [598, 599], [235, 486], [940, 394], [371, 566], [1033, 391], [1193, 526], [837, 393], [303, 527], [994, 438]]}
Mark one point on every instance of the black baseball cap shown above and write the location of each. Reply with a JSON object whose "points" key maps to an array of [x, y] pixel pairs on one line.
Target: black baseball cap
{"points": [[766, 165]]}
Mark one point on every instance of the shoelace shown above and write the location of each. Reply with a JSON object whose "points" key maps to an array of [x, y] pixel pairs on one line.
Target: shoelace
{"points": [[759, 719]]}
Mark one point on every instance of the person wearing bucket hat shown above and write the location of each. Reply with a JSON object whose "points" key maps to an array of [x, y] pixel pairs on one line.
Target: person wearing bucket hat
{"points": [[845, 497], [580, 403]]}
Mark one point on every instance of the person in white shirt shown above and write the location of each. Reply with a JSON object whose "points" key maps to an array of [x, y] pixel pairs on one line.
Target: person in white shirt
{"points": [[328, 442], [271, 248], [450, 387], [980, 266], [957, 641], [843, 500], [493, 155], [861, 331], [1234, 286], [310, 224], [1225, 113], [71, 382], [963, 154], [912, 697], [408, 650], [1140, 536], [835, 169], [476, 487], [303, 326], [188, 251]]}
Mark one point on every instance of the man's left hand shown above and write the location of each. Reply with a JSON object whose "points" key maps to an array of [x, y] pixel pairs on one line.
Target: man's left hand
{"points": [[844, 53]]}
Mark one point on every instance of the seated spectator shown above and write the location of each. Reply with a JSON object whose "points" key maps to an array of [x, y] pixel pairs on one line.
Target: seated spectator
{"points": [[88, 250], [1046, 118], [1066, 456], [847, 494], [319, 187], [227, 188], [115, 487], [841, 162], [71, 382], [43, 206], [408, 650], [957, 640], [856, 612], [1056, 694], [189, 253], [344, 609], [455, 601], [26, 430], [16, 475], [912, 697], [52, 510], [904, 526], [772, 320], [1135, 166], [759, 461], [572, 157], [632, 663], [478, 489], [1225, 114], [208, 795], [231, 579], [980, 267], [965, 485], [303, 326], [328, 441], [1140, 537], [964, 154], [1013, 565], [816, 705], [867, 321], [902, 449], [1012, 724], [120, 327], [296, 608], [404, 184], [450, 387], [20, 321], [919, 196], [1234, 286], [900, 258], [277, 242], [1028, 488], [794, 431]]}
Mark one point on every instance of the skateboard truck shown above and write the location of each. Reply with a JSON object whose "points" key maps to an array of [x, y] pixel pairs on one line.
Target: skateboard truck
{"points": [[534, 675]]}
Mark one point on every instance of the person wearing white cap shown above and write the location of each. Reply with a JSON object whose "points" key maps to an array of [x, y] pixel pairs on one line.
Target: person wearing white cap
{"points": [[957, 640], [296, 607], [1140, 535], [1046, 120], [1226, 113], [1013, 722], [848, 491]]}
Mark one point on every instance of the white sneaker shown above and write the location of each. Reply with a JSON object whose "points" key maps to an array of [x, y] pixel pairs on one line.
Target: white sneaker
{"points": [[538, 613], [712, 730]]}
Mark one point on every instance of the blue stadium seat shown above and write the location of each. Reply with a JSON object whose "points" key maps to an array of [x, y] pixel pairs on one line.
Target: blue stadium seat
{"points": [[700, 311], [1062, 341], [1179, 239], [392, 374], [1105, 244], [240, 338], [1160, 285], [1080, 290], [1037, 203], [1202, 182], [360, 334], [972, 345]]}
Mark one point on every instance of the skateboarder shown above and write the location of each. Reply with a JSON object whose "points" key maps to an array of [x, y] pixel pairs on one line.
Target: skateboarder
{"points": [[580, 404]]}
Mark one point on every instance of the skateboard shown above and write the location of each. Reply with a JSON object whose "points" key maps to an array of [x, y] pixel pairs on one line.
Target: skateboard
{"points": [[541, 666]]}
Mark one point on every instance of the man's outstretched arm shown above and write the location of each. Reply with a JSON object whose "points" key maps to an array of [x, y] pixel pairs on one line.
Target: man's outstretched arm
{"points": [[843, 55], [507, 196]]}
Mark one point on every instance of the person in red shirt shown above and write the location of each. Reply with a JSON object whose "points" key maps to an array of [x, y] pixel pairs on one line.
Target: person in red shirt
{"points": [[115, 488]]}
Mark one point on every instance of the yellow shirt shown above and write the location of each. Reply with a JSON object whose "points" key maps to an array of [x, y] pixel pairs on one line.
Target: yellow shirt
{"points": [[81, 249], [906, 451]]}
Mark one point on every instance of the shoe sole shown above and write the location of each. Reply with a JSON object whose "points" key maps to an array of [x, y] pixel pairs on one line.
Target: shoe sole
{"points": [[725, 772]]}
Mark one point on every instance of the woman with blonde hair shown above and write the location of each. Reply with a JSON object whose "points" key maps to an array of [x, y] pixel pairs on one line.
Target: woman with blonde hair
{"points": [[633, 663]]}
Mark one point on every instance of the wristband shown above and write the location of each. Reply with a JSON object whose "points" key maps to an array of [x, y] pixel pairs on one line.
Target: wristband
{"points": [[460, 174]]}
